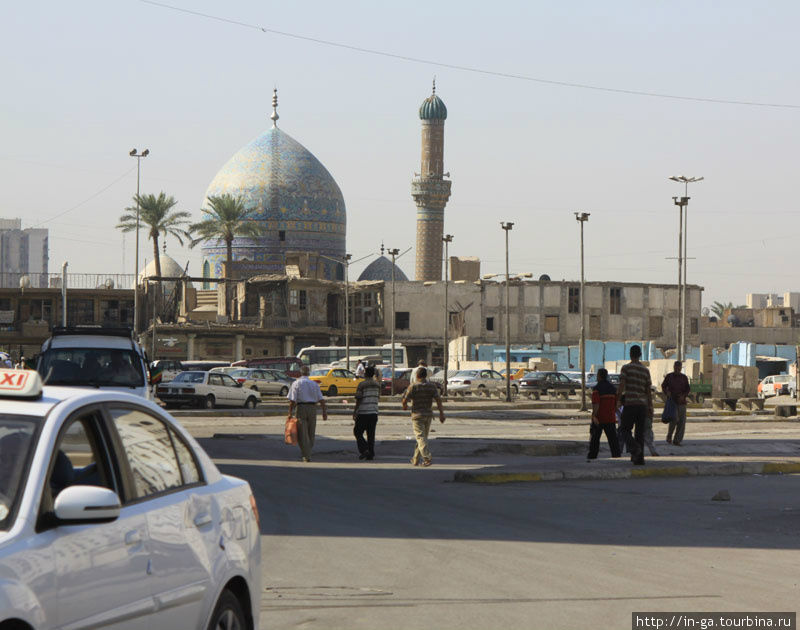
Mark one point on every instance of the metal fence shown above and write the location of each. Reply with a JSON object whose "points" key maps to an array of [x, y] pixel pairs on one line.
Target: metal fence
{"points": [[74, 280]]}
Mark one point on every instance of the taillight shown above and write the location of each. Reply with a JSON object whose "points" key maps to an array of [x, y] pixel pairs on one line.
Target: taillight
{"points": [[240, 380], [255, 511], [467, 382]]}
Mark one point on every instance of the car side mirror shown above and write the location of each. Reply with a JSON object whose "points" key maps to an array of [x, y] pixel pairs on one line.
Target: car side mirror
{"points": [[87, 504]]}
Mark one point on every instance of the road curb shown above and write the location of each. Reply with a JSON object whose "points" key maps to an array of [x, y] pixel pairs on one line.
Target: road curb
{"points": [[708, 469]]}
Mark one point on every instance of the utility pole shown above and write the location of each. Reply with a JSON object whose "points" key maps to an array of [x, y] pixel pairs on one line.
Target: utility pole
{"points": [[393, 253], [447, 239], [347, 258], [138, 156], [683, 233], [583, 217], [507, 226]]}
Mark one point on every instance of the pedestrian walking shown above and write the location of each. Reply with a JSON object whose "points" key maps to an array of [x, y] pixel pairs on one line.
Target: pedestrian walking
{"points": [[365, 414], [413, 377], [422, 394], [676, 387], [635, 385], [304, 394], [604, 403], [360, 370]]}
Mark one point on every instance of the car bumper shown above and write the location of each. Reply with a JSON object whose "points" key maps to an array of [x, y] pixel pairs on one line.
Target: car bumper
{"points": [[180, 399]]}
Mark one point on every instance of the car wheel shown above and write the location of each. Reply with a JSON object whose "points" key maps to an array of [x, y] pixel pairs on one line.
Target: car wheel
{"points": [[481, 390], [211, 402], [250, 403], [284, 391], [332, 391], [700, 399], [228, 614]]}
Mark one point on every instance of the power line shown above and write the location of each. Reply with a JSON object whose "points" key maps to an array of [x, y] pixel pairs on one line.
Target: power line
{"points": [[88, 199], [494, 73]]}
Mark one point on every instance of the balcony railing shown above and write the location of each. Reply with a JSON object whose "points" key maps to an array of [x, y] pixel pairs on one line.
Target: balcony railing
{"points": [[14, 280]]}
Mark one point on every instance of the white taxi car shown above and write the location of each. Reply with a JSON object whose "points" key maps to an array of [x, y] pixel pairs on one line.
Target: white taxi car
{"points": [[112, 516], [206, 389]]}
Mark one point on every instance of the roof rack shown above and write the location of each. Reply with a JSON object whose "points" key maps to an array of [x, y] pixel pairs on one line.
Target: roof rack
{"points": [[92, 330]]}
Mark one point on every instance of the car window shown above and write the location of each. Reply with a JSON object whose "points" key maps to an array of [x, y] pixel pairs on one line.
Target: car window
{"points": [[338, 373], [496, 374], [189, 470], [91, 366], [227, 381], [215, 379], [78, 458], [149, 450], [16, 444], [348, 374]]}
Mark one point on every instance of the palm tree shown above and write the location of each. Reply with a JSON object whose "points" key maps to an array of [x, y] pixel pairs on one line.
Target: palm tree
{"points": [[719, 308], [156, 213], [226, 218]]}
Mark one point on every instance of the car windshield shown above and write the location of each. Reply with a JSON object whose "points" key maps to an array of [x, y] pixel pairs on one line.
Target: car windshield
{"points": [[16, 445], [320, 372], [189, 377], [532, 375], [93, 367]]}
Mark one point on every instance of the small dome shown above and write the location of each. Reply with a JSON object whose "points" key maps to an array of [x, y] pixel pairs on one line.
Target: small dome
{"points": [[381, 269], [169, 269], [432, 108]]}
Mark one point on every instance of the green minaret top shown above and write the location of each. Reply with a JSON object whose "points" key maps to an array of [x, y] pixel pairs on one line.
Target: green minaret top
{"points": [[433, 108]]}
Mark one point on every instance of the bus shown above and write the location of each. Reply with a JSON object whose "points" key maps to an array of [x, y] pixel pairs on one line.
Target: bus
{"points": [[314, 356]]}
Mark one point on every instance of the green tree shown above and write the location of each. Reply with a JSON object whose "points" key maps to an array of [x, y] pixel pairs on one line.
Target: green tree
{"points": [[157, 214], [719, 308], [226, 218]]}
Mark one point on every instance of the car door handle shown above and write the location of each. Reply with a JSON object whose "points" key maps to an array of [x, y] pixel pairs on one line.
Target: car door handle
{"points": [[133, 537], [202, 520]]}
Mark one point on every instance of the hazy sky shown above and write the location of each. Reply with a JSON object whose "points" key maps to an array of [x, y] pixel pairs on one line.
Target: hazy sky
{"points": [[85, 81]]}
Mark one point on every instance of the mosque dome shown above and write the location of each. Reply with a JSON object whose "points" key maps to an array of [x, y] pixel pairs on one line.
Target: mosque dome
{"points": [[381, 269], [169, 269], [288, 189], [433, 108]]}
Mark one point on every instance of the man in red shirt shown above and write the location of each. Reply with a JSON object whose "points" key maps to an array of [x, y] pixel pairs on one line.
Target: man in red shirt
{"points": [[676, 386], [604, 405]]}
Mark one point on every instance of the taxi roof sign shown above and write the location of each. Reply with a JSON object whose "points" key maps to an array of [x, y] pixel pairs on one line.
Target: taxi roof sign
{"points": [[25, 384]]}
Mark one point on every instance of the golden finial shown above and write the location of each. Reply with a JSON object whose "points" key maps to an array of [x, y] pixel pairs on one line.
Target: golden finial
{"points": [[274, 116]]}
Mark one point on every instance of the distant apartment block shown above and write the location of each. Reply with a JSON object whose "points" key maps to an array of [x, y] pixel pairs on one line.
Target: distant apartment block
{"points": [[789, 299], [23, 253]]}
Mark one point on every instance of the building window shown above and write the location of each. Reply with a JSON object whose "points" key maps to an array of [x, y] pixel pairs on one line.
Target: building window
{"points": [[656, 326], [281, 235], [5, 304], [402, 320], [292, 297], [615, 302], [574, 303], [80, 312], [490, 323], [303, 301], [695, 326], [551, 323]]}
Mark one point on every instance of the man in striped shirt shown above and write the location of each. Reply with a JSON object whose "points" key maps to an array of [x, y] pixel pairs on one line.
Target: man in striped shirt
{"points": [[365, 413], [636, 387]]}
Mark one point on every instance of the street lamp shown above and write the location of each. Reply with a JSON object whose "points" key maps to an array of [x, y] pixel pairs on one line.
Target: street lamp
{"points": [[683, 230], [583, 217], [446, 239], [507, 226], [393, 253], [138, 156]]}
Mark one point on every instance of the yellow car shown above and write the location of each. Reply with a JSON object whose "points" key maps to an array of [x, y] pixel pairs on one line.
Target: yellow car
{"points": [[335, 381]]}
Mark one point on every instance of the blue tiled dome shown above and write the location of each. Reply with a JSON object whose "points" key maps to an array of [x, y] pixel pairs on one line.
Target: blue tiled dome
{"points": [[288, 189], [381, 269], [433, 108]]}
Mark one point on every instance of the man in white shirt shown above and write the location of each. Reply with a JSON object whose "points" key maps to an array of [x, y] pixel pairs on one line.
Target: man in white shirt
{"points": [[360, 370], [413, 378], [304, 394]]}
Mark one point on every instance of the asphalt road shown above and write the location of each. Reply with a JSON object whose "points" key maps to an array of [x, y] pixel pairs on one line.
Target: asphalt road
{"points": [[349, 544]]}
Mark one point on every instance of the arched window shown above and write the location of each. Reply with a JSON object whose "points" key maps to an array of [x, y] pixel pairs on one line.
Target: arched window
{"points": [[206, 274]]}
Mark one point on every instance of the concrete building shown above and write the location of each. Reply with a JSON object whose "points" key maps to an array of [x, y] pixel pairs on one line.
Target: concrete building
{"points": [[23, 254], [431, 190]]}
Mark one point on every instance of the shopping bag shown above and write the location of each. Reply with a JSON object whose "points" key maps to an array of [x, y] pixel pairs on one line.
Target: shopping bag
{"points": [[670, 412], [290, 432]]}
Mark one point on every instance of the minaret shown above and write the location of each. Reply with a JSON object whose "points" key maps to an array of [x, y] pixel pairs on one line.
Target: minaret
{"points": [[430, 190]]}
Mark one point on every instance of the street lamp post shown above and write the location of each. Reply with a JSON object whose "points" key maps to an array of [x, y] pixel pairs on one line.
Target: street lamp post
{"points": [[138, 156], [393, 253], [447, 239], [507, 226], [583, 217], [683, 233], [347, 258]]}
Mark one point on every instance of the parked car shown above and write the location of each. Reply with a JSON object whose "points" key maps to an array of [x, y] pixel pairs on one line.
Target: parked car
{"points": [[205, 389], [262, 381], [539, 383], [478, 382], [164, 370], [775, 385], [104, 358], [335, 381], [401, 380], [112, 515]]}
